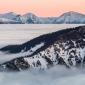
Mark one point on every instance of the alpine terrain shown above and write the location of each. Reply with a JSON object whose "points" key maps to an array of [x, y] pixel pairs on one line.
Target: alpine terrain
{"points": [[64, 47], [30, 18]]}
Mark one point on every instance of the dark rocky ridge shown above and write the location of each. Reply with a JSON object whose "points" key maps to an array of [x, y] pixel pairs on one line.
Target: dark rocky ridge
{"points": [[64, 47]]}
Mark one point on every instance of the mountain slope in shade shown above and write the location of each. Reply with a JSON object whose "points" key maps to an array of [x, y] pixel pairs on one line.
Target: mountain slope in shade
{"points": [[30, 18], [64, 47]]}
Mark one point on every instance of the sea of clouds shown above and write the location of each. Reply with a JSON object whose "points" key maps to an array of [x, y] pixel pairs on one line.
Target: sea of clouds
{"points": [[57, 75]]}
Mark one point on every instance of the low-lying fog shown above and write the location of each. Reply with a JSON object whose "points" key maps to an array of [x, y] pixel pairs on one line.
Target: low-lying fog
{"points": [[55, 76], [11, 34]]}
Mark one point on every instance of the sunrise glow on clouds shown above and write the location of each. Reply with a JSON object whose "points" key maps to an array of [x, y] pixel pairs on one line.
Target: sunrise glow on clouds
{"points": [[42, 7]]}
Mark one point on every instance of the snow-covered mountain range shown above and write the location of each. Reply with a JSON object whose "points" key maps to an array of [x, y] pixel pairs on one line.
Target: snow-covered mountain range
{"points": [[65, 47], [29, 18]]}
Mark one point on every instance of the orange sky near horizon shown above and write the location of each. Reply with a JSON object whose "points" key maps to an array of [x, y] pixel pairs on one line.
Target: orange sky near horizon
{"points": [[42, 7]]}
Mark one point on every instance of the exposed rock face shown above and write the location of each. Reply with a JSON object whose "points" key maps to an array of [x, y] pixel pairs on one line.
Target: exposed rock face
{"points": [[15, 65], [65, 47]]}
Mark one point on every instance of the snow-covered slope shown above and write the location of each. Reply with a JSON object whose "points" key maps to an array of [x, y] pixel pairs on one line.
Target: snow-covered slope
{"points": [[8, 21], [30, 18], [68, 17], [64, 47], [4, 20], [71, 17], [11, 17]]}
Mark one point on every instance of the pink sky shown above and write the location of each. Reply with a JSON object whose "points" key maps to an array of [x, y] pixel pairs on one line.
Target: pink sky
{"points": [[42, 7]]}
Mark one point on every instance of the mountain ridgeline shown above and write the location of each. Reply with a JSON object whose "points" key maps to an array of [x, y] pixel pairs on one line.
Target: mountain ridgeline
{"points": [[64, 47], [29, 18]]}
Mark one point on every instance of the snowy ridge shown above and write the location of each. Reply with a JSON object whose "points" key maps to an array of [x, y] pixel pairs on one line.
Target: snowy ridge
{"points": [[8, 57], [71, 17], [65, 47], [30, 18], [10, 18]]}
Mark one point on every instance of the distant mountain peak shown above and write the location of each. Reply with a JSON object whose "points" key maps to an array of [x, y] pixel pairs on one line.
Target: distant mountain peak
{"points": [[70, 17], [9, 14], [29, 15], [72, 13]]}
